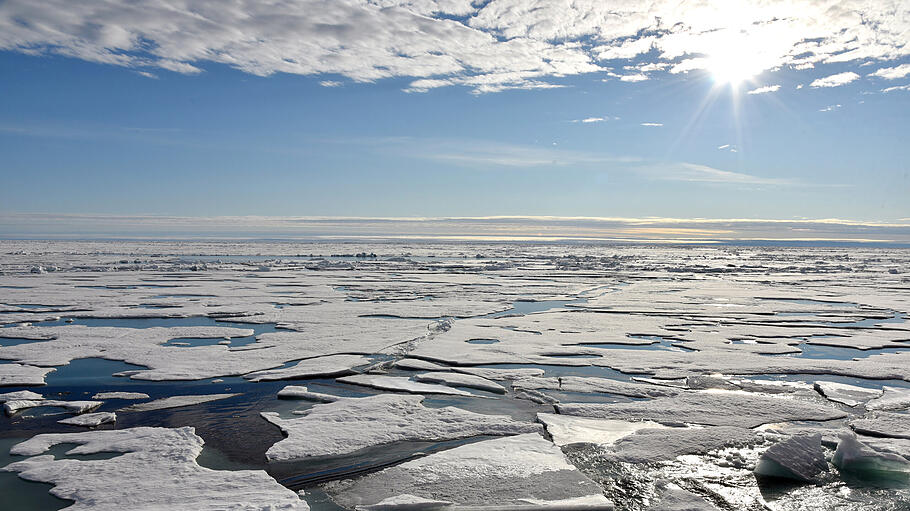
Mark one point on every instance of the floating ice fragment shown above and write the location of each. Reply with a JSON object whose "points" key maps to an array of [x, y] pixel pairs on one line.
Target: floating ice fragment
{"points": [[416, 364], [893, 398], [566, 429], [11, 407], [120, 395], [406, 503], [22, 395], [850, 395], [886, 424], [461, 380], [175, 402], [332, 365], [401, 384], [799, 457], [854, 456], [23, 374], [301, 392], [91, 419]]}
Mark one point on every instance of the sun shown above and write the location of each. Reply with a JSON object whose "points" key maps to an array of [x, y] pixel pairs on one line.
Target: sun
{"points": [[732, 59]]}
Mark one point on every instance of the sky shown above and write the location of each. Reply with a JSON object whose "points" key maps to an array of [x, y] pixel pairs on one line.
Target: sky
{"points": [[113, 110]]}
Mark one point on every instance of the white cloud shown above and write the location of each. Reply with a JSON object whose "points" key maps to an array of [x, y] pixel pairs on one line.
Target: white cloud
{"points": [[835, 80], [829, 108], [147, 74], [692, 172], [728, 147], [487, 46], [766, 89], [892, 73], [652, 124], [589, 120], [330, 83], [896, 88]]}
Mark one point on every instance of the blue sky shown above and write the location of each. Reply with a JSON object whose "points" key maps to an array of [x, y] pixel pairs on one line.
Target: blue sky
{"points": [[108, 113]]}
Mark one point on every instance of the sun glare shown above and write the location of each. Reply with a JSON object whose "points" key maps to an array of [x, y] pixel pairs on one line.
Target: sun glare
{"points": [[731, 60]]}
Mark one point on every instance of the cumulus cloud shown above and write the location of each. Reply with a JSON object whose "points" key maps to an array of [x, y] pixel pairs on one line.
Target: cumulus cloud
{"points": [[835, 80], [766, 89], [487, 46], [892, 73]]}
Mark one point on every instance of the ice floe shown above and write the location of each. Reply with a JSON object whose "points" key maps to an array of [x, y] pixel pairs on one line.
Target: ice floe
{"points": [[400, 384], [350, 424], [175, 402], [460, 380], [799, 457], [332, 365], [120, 395], [11, 407], [886, 424], [301, 392], [856, 457], [850, 395], [157, 470], [520, 472], [91, 420], [568, 429], [892, 398]]}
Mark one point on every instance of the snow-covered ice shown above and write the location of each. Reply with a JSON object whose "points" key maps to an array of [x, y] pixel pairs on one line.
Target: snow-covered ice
{"points": [[11, 407], [301, 392], [850, 395], [157, 470], [799, 457], [121, 395], [460, 380], [350, 424], [91, 419], [400, 384], [567, 429], [886, 424], [175, 402], [892, 398]]}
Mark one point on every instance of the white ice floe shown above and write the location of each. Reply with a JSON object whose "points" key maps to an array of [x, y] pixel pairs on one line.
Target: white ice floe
{"points": [[799, 457], [460, 380], [850, 395], [492, 373], [854, 456], [175, 402], [566, 429], [400, 384], [22, 395], [120, 395], [351, 424], [91, 420], [893, 398], [710, 408], [12, 374], [415, 364], [520, 472], [11, 407], [885, 424], [332, 365], [301, 392], [157, 470]]}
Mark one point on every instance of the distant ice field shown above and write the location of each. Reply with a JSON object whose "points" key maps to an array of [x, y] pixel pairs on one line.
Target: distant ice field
{"points": [[452, 376]]}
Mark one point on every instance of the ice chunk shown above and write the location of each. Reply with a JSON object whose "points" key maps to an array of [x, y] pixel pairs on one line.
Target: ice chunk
{"points": [[674, 498], [22, 374], [893, 398], [91, 419], [301, 392], [22, 395], [332, 365], [654, 445], [492, 373], [350, 424], [120, 395], [401, 384], [850, 395], [11, 407], [566, 429], [157, 470], [887, 424], [175, 402], [799, 457], [854, 456], [406, 503], [520, 472], [710, 408], [461, 380]]}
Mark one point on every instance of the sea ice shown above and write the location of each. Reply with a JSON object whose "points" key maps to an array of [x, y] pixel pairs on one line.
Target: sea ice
{"points": [[886, 424], [799, 457], [655, 445], [91, 419], [332, 365], [301, 392], [22, 395], [520, 472], [12, 374], [567, 429], [406, 503], [175, 402], [400, 384], [350, 424], [854, 456], [157, 470], [850, 395], [11, 407], [460, 380], [415, 364], [709, 408], [120, 395], [893, 398]]}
